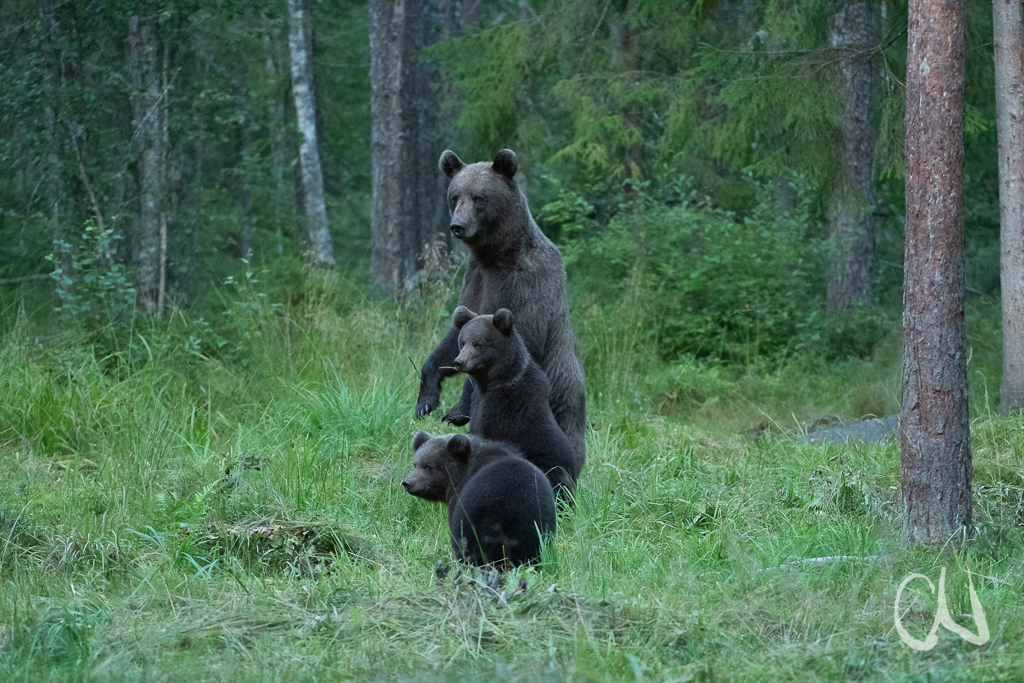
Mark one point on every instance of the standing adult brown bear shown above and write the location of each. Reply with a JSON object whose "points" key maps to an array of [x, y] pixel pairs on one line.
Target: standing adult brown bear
{"points": [[512, 265]]}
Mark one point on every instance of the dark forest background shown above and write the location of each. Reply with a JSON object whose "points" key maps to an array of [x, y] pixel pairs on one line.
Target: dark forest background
{"points": [[689, 154]]}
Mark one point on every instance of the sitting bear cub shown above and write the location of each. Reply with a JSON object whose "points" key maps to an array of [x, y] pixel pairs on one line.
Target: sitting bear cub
{"points": [[499, 505], [512, 395]]}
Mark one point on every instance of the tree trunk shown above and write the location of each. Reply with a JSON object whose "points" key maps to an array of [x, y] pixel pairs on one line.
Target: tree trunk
{"points": [[248, 216], [147, 110], [275, 127], [397, 230], [934, 426], [1009, 59], [851, 221], [469, 15], [56, 188], [300, 45]]}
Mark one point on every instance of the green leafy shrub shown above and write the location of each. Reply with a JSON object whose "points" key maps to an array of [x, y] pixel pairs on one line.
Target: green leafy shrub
{"points": [[713, 283]]}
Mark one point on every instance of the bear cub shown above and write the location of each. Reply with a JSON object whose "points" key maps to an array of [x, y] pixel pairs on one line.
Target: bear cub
{"points": [[512, 396], [499, 504]]}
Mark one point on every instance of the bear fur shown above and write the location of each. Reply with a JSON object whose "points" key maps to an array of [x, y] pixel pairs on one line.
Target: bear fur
{"points": [[512, 265], [511, 401], [499, 505]]}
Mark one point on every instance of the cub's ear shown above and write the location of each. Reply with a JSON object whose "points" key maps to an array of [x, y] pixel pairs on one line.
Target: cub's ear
{"points": [[450, 163], [503, 321], [459, 447], [418, 439], [506, 163], [462, 316]]}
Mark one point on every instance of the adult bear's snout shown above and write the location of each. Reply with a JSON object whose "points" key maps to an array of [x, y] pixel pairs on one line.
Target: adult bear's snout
{"points": [[458, 363], [457, 228]]}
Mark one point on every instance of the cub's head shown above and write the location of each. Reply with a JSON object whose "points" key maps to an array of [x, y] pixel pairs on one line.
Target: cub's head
{"points": [[488, 345], [438, 466], [482, 197]]}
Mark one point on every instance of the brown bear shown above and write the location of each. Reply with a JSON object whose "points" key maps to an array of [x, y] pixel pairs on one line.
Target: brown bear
{"points": [[512, 265], [500, 506], [511, 402]]}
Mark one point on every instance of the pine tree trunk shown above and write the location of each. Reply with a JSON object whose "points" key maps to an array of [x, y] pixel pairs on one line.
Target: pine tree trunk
{"points": [[1007, 18], [934, 425], [851, 221], [300, 45], [147, 110], [397, 230]]}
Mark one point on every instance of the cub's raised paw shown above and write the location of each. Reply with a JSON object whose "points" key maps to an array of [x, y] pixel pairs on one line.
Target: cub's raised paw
{"points": [[454, 418]]}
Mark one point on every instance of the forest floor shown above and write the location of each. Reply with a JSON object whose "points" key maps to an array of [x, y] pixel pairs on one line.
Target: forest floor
{"points": [[166, 516]]}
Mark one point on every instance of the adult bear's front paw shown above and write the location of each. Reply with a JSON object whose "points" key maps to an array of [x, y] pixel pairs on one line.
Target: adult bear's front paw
{"points": [[426, 405], [455, 417]]}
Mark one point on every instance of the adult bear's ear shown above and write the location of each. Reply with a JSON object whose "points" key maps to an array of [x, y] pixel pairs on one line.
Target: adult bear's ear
{"points": [[503, 321], [459, 447], [450, 163], [418, 439], [462, 316], [506, 163]]}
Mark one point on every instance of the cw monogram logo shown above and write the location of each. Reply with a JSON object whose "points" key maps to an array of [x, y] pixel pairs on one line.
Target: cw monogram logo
{"points": [[942, 616]]}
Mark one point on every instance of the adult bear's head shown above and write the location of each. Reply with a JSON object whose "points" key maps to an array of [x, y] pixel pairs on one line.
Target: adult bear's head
{"points": [[485, 202]]}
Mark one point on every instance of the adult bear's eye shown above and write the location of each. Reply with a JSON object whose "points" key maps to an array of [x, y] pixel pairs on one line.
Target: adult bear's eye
{"points": [[477, 345], [477, 200]]}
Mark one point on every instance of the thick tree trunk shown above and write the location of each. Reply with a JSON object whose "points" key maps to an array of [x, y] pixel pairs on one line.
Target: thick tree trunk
{"points": [[300, 45], [851, 221], [1007, 18], [934, 425], [398, 232], [147, 109]]}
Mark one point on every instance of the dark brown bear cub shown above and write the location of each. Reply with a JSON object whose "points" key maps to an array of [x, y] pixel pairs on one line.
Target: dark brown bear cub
{"points": [[511, 395], [499, 505]]}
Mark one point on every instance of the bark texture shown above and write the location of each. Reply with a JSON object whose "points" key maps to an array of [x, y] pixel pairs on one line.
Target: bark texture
{"points": [[407, 204], [934, 427], [1009, 60], [851, 221], [55, 179], [147, 100], [300, 45], [275, 127]]}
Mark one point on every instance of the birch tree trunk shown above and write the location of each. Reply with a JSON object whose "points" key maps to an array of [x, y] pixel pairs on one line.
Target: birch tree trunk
{"points": [[147, 111], [851, 221], [300, 46], [275, 127], [934, 427], [1007, 18], [397, 231]]}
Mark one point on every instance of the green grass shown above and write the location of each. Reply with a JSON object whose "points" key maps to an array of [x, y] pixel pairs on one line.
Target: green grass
{"points": [[194, 518]]}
